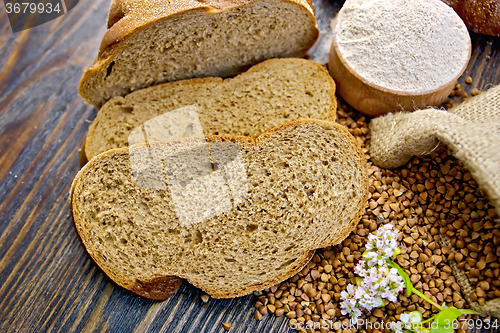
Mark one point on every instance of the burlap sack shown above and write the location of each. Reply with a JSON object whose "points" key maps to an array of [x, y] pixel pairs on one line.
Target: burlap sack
{"points": [[490, 308], [471, 130]]}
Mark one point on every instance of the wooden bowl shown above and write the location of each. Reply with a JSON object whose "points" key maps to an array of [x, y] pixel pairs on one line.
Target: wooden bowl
{"points": [[374, 100]]}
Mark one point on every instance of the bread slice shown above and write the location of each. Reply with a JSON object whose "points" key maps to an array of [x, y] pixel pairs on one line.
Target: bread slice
{"points": [[229, 214], [150, 42], [269, 94]]}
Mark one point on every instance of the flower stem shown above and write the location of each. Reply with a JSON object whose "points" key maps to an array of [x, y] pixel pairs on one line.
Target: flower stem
{"points": [[465, 311], [426, 298], [428, 320]]}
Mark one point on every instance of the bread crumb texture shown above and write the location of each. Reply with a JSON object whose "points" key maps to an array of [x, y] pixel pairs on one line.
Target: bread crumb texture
{"points": [[306, 188], [150, 42], [269, 94], [412, 46]]}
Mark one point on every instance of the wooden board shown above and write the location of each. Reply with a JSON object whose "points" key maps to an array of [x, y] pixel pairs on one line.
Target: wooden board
{"points": [[47, 283]]}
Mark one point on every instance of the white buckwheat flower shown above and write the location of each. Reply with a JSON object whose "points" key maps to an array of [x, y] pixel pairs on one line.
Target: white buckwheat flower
{"points": [[373, 258], [397, 327], [349, 304], [412, 322], [381, 246], [360, 269], [379, 282]]}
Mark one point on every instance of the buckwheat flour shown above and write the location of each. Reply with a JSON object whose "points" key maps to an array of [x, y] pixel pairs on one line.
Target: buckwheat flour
{"points": [[410, 46]]}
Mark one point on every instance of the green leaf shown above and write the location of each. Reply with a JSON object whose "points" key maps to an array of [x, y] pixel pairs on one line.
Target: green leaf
{"points": [[466, 311], [358, 281], [404, 275], [443, 321]]}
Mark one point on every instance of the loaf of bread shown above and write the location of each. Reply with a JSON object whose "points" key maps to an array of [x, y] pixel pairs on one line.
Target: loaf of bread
{"points": [[269, 94], [229, 214], [480, 16], [152, 41]]}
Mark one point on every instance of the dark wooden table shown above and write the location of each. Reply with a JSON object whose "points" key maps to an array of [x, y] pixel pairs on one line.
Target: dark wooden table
{"points": [[47, 283]]}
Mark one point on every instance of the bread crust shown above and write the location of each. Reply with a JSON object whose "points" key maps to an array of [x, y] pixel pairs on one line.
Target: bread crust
{"points": [[89, 142], [480, 16], [158, 288], [125, 16], [354, 222], [129, 17], [161, 287]]}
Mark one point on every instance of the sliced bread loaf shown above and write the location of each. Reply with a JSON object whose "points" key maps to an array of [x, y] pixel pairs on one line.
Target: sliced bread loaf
{"points": [[267, 95], [231, 214], [151, 41]]}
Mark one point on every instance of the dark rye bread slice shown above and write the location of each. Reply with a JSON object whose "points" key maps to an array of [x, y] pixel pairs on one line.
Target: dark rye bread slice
{"points": [[298, 187], [151, 42], [269, 94]]}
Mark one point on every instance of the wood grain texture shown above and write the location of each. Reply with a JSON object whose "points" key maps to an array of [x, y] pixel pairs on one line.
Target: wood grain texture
{"points": [[47, 283]]}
